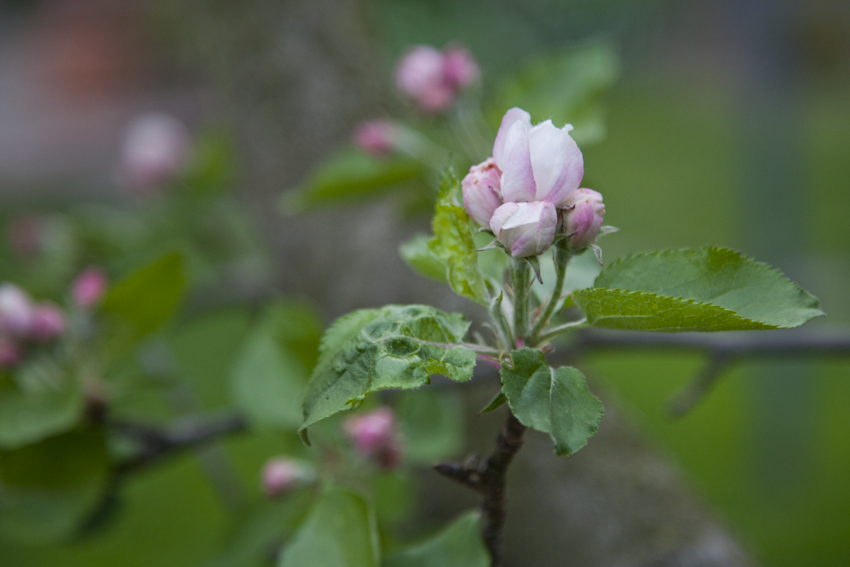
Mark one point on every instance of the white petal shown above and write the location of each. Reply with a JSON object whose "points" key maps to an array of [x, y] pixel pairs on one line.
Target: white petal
{"points": [[557, 162], [517, 174], [513, 115]]}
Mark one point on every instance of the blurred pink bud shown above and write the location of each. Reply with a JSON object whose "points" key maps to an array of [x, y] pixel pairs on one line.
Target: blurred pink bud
{"points": [[583, 221], [10, 353], [374, 435], [48, 321], [282, 474], [156, 149], [525, 229], [376, 137], [459, 67], [89, 287], [482, 193], [25, 235], [16, 311], [419, 70]]}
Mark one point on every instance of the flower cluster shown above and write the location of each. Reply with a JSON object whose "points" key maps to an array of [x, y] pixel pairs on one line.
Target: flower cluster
{"points": [[282, 474], [375, 435], [528, 192], [432, 79], [23, 321]]}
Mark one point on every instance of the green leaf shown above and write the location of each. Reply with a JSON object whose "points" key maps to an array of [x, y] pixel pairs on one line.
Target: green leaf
{"points": [[453, 244], [147, 298], [556, 402], [710, 289], [566, 87], [392, 347], [49, 489], [419, 256], [349, 175], [266, 382], [459, 545], [46, 403], [497, 402], [431, 424], [213, 166], [339, 532]]}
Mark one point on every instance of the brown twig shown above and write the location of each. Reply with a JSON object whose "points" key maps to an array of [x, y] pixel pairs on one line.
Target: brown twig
{"points": [[157, 443], [489, 477]]}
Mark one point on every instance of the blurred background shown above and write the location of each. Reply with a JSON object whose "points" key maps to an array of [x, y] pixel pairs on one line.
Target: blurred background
{"points": [[727, 124]]}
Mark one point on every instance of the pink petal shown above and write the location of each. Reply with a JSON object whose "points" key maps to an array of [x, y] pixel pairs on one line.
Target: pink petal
{"points": [[517, 173], [557, 162], [513, 115]]}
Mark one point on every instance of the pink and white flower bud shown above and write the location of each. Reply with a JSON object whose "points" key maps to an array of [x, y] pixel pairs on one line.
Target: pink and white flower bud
{"points": [[89, 287], [459, 67], [48, 321], [419, 70], [10, 353], [156, 150], [282, 474], [375, 435], [525, 229], [583, 222], [16, 311], [482, 193], [376, 137]]}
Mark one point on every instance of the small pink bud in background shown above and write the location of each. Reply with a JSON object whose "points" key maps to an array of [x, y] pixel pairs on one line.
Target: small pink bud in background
{"points": [[16, 311], [282, 474], [156, 150], [48, 321], [10, 353], [89, 287], [583, 221], [459, 67], [376, 137], [482, 193], [419, 70], [25, 235], [525, 229], [374, 435]]}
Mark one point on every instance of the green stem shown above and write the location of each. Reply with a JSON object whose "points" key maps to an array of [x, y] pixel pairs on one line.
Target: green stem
{"points": [[562, 258], [521, 282], [501, 323], [555, 331]]}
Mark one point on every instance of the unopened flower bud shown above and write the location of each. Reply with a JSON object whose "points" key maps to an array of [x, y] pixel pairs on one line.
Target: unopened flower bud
{"points": [[282, 474], [376, 137], [10, 353], [459, 68], [89, 287], [525, 229], [482, 193], [156, 149], [48, 322], [375, 435], [583, 221], [419, 70], [16, 311]]}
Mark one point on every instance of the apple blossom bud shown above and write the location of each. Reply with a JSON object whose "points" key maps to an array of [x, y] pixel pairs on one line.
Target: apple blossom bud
{"points": [[459, 68], [482, 193], [419, 70], [89, 287], [583, 221], [376, 137], [10, 353], [374, 435], [525, 229], [48, 321], [282, 474], [156, 149], [16, 311]]}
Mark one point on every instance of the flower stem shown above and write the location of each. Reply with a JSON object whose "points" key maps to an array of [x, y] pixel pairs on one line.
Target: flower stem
{"points": [[555, 331], [562, 258], [521, 282]]}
